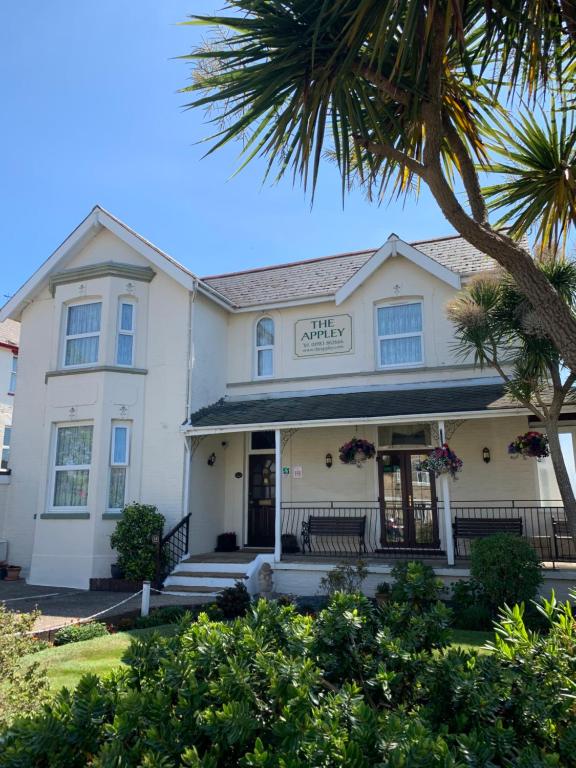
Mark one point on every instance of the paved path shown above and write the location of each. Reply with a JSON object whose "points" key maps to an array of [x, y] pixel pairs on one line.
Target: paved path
{"points": [[60, 605]]}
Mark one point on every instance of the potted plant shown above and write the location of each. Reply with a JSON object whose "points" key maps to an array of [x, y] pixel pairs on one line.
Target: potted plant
{"points": [[13, 572], [383, 591], [357, 451], [289, 544], [533, 445], [134, 541], [226, 542], [116, 571], [441, 461]]}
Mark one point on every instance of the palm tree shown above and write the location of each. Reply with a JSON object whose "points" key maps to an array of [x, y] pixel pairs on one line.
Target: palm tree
{"points": [[401, 92], [497, 326]]}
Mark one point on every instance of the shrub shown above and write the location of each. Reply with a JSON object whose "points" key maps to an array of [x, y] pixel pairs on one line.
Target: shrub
{"points": [[233, 601], [344, 578], [416, 584], [168, 614], [507, 570], [469, 606], [132, 539], [22, 686], [75, 633], [347, 689]]}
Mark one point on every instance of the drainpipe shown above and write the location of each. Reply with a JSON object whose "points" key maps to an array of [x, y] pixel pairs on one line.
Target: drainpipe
{"points": [[278, 495], [191, 357], [446, 502]]}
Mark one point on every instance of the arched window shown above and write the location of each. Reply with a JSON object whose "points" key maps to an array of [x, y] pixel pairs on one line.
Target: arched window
{"points": [[265, 347]]}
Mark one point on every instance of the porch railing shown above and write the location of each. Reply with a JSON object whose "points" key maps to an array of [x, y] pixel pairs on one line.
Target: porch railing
{"points": [[397, 532]]}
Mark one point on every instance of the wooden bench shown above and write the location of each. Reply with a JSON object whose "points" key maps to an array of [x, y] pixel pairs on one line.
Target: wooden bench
{"points": [[562, 534], [481, 527], [334, 526]]}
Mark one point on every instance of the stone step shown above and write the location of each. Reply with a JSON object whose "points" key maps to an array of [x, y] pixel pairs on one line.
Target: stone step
{"points": [[192, 590], [235, 576]]}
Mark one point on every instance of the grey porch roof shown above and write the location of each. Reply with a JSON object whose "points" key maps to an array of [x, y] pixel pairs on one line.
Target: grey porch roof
{"points": [[353, 405], [325, 276]]}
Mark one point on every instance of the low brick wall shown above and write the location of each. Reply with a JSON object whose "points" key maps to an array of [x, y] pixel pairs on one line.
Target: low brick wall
{"points": [[114, 585]]}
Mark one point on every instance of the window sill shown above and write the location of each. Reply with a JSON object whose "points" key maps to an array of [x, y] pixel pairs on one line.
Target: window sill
{"points": [[96, 369], [112, 515], [65, 516]]}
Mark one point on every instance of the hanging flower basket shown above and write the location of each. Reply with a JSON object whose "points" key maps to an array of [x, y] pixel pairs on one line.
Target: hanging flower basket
{"points": [[357, 451], [531, 445], [441, 461]]}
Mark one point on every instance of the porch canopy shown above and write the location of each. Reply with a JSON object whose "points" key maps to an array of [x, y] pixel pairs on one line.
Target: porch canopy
{"points": [[368, 406]]}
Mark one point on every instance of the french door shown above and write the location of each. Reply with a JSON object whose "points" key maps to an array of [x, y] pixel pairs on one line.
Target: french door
{"points": [[408, 503], [261, 500]]}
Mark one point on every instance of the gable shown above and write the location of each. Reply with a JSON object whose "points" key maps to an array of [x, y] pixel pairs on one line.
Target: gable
{"points": [[392, 249]]}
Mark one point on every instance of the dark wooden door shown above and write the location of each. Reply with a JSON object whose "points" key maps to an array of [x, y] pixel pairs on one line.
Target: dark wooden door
{"points": [[408, 502], [261, 500]]}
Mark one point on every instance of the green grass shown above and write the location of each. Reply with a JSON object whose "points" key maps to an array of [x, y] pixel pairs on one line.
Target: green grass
{"points": [[66, 664]]}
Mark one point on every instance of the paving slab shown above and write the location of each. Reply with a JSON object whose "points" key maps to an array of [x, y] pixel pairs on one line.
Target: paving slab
{"points": [[60, 605]]}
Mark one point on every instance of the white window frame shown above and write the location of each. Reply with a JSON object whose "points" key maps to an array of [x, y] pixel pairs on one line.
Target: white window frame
{"points": [[121, 332], [66, 337], [55, 468], [118, 464], [264, 348], [13, 374], [379, 338], [6, 446]]}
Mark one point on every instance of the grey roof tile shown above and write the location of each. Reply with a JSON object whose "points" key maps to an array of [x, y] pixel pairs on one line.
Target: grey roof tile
{"points": [[10, 333], [354, 405], [324, 276]]}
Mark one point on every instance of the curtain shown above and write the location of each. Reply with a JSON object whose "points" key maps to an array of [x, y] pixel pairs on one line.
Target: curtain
{"points": [[71, 488], [126, 315], [265, 332], [83, 318], [399, 318], [407, 349], [74, 446], [117, 488], [120, 453], [125, 344], [82, 351], [265, 362]]}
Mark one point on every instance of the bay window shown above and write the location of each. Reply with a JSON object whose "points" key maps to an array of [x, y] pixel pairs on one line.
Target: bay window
{"points": [[399, 329], [13, 372], [72, 460], [119, 461], [82, 335], [5, 463]]}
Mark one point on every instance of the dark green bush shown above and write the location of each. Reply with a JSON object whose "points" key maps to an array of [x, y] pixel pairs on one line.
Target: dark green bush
{"points": [[346, 577], [132, 539], [276, 688], [234, 601], [77, 632], [416, 584], [167, 614], [469, 606], [506, 569]]}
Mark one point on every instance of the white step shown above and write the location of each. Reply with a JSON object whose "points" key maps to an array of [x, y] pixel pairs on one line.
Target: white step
{"points": [[175, 579], [211, 567]]}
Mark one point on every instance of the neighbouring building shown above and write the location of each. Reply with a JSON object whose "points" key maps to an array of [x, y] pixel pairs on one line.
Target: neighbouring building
{"points": [[224, 400], [9, 340]]}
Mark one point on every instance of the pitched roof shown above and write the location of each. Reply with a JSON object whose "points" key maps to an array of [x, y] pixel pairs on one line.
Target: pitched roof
{"points": [[10, 333], [325, 276], [354, 405]]}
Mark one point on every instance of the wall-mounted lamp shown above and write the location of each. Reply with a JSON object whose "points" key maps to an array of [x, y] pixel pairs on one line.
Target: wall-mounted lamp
{"points": [[486, 455], [211, 460], [329, 460]]}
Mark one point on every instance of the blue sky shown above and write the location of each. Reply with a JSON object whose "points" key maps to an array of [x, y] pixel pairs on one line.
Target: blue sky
{"points": [[91, 114]]}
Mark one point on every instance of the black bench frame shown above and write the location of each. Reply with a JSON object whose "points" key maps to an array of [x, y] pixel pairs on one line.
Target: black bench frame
{"points": [[481, 527], [562, 533], [334, 526]]}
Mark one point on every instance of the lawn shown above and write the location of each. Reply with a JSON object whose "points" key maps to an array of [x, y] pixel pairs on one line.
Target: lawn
{"points": [[66, 664]]}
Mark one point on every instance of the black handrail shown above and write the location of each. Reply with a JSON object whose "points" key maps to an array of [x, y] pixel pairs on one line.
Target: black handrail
{"points": [[172, 548]]}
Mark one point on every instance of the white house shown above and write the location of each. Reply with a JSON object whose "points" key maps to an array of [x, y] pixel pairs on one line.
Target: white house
{"points": [[224, 400]]}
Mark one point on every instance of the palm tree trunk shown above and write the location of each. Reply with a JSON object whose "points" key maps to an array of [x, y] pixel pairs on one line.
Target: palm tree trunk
{"points": [[562, 476]]}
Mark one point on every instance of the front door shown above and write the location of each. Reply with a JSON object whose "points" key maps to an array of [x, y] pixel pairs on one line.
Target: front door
{"points": [[408, 503], [261, 500]]}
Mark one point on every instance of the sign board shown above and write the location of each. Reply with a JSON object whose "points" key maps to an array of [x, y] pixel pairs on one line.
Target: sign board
{"points": [[297, 472], [330, 335], [285, 470]]}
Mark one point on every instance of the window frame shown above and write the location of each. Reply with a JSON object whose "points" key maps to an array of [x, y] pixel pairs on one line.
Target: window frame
{"points": [[118, 464], [54, 468], [264, 348], [67, 337], [121, 332], [6, 446], [13, 374], [412, 334]]}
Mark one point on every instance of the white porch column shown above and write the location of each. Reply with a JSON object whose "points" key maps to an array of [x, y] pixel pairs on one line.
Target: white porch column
{"points": [[449, 540], [278, 499]]}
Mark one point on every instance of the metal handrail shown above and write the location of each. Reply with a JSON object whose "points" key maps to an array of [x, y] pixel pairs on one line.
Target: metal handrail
{"points": [[171, 548]]}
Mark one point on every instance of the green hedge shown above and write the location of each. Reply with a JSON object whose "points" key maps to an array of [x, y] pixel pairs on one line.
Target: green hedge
{"points": [[78, 632]]}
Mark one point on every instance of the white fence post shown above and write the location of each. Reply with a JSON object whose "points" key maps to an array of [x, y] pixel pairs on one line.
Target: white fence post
{"points": [[145, 608], [278, 494], [449, 538]]}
